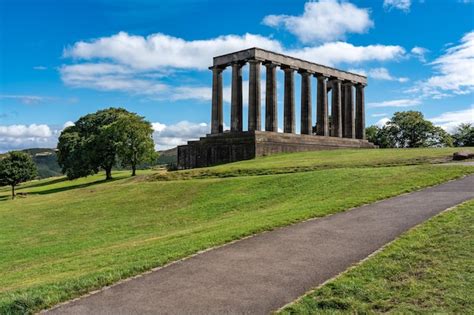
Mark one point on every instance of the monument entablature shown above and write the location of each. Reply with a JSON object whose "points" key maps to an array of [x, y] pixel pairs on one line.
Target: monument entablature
{"points": [[265, 56], [346, 130]]}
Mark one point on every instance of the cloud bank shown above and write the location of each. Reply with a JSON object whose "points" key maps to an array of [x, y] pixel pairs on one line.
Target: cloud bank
{"points": [[323, 20]]}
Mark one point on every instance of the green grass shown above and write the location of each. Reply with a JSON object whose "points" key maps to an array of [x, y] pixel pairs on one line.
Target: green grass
{"points": [[428, 270], [310, 161], [69, 237]]}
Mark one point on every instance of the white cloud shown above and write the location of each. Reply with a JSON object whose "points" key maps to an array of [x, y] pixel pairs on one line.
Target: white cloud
{"points": [[324, 20], [137, 65], [455, 72], [17, 137], [403, 5], [19, 131], [382, 122], [68, 124], [341, 52], [109, 77], [379, 74], [158, 51], [40, 68], [396, 103], [379, 115], [419, 52], [450, 120], [25, 99], [169, 136], [26, 136]]}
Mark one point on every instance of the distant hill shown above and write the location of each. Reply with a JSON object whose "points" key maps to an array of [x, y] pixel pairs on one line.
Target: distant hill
{"points": [[167, 157], [47, 162]]}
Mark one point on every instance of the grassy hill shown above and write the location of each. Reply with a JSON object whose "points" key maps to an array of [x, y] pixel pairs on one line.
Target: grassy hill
{"points": [[69, 237]]}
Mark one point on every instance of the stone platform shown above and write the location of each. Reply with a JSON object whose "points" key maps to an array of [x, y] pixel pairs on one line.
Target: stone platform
{"points": [[229, 147]]}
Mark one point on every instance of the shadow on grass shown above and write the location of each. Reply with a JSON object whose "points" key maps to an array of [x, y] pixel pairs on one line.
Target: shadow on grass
{"points": [[47, 182], [58, 189], [77, 186]]}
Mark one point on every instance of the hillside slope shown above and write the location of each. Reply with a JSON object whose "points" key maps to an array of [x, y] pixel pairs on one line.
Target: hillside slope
{"points": [[69, 237]]}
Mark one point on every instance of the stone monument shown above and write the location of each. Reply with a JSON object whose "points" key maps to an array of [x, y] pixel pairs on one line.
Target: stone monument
{"points": [[346, 129]]}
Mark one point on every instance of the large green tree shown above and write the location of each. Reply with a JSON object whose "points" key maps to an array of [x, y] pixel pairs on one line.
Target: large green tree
{"points": [[16, 168], [134, 136], [408, 130], [97, 141], [464, 136]]}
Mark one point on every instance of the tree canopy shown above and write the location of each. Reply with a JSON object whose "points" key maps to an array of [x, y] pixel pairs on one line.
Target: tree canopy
{"points": [[16, 168], [464, 136], [102, 140], [408, 130]]}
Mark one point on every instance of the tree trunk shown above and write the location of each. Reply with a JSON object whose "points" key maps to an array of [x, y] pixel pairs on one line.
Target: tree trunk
{"points": [[108, 173], [13, 192], [134, 168]]}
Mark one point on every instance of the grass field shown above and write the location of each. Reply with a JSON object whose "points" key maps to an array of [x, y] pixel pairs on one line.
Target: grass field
{"points": [[69, 237], [310, 161], [429, 270]]}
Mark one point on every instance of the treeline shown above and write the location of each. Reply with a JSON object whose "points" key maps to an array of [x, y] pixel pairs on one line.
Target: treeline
{"points": [[411, 130]]}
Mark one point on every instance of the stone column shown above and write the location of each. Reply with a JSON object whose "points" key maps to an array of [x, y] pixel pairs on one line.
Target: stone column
{"points": [[217, 123], [306, 116], [254, 95], [360, 111], [289, 101], [271, 107], [336, 110], [349, 125], [236, 98], [322, 116]]}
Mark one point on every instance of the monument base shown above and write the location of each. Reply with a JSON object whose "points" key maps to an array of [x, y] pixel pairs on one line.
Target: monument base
{"points": [[237, 146]]}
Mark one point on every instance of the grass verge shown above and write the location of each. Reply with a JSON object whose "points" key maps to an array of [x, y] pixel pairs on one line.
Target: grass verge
{"points": [[427, 270]]}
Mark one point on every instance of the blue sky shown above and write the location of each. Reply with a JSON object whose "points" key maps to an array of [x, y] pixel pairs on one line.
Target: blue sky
{"points": [[62, 59]]}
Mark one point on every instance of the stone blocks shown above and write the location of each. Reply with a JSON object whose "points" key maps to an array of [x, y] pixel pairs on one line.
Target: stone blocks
{"points": [[236, 146]]}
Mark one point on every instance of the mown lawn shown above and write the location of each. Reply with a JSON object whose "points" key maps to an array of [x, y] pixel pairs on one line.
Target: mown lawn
{"points": [[310, 161], [429, 270], [67, 238]]}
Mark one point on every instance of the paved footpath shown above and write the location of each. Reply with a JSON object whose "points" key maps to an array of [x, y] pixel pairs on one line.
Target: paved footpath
{"points": [[260, 274]]}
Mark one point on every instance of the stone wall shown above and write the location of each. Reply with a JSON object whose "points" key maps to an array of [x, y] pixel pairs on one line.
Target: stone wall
{"points": [[237, 146]]}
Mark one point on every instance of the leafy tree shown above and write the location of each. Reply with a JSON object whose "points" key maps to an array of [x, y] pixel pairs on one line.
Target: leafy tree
{"points": [[464, 136], [99, 141], [380, 136], [408, 130], [411, 130], [16, 168], [134, 140]]}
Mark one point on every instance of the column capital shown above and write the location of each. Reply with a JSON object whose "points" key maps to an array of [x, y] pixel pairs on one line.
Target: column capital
{"points": [[288, 68], [321, 76], [268, 63], [239, 63], [254, 61], [218, 69], [345, 82], [335, 80], [304, 72], [360, 85]]}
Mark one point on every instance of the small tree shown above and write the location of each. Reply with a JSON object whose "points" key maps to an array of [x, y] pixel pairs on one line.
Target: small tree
{"points": [[464, 136], [134, 140], [16, 168]]}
